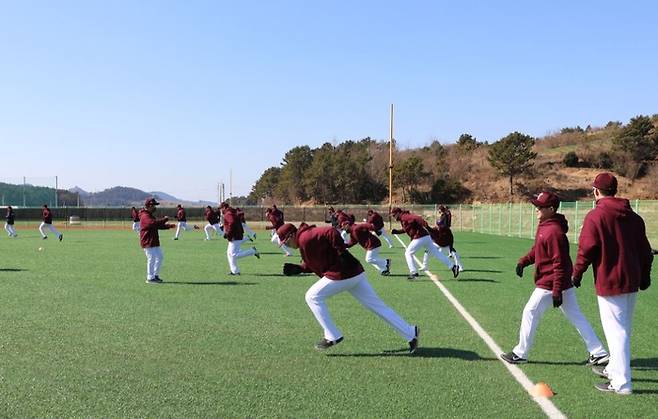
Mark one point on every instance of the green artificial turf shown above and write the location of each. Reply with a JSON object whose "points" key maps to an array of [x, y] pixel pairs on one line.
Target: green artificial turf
{"points": [[82, 335]]}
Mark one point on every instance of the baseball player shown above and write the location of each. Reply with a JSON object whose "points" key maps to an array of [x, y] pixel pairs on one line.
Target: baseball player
{"points": [[324, 253], [344, 217], [213, 222], [376, 220], [275, 217], [9, 223], [234, 233], [444, 240], [149, 239], [250, 233], [445, 217], [182, 222], [47, 217], [363, 234], [613, 240], [550, 255], [134, 214], [416, 227]]}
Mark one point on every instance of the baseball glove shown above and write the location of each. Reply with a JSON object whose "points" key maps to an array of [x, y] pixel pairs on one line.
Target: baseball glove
{"points": [[290, 269]]}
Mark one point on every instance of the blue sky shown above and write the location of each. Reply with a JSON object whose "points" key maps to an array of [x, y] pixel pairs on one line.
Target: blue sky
{"points": [[180, 95]]}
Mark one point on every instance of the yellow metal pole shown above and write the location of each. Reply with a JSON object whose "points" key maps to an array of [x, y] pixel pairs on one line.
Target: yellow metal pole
{"points": [[390, 170]]}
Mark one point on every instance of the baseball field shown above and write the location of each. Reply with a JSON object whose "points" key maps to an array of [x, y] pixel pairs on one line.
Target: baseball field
{"points": [[82, 335]]}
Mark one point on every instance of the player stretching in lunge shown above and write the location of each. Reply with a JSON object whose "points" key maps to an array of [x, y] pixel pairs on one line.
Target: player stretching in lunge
{"points": [[324, 253], [363, 234], [275, 217], [181, 217], [234, 233], [47, 222], [213, 222], [377, 221], [416, 227]]}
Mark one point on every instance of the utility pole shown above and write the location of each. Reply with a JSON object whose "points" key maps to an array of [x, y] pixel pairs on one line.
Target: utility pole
{"points": [[390, 168], [56, 191]]}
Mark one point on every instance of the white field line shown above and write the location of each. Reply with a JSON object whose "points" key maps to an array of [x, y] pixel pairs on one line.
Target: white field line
{"points": [[545, 404]]}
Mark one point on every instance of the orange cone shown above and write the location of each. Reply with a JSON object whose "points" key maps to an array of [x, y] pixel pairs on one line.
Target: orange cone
{"points": [[542, 389]]}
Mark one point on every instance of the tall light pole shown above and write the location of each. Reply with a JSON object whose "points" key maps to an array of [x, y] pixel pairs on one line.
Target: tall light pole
{"points": [[390, 166]]}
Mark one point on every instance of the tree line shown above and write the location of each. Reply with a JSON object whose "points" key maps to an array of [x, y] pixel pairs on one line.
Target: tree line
{"points": [[357, 171]]}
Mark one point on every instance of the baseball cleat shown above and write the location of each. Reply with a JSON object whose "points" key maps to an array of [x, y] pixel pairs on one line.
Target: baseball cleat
{"points": [[600, 371], [607, 387], [455, 271], [326, 344], [598, 360], [256, 253], [153, 281], [512, 358], [413, 343], [61, 236], [412, 276]]}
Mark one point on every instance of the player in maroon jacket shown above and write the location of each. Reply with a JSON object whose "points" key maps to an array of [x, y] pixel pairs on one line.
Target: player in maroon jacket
{"points": [[275, 217], [250, 233], [134, 215], [9, 222], [324, 253], [149, 239], [363, 234], [235, 235], [47, 222], [181, 217], [445, 241], [550, 255], [213, 222], [376, 220], [613, 240], [416, 228]]}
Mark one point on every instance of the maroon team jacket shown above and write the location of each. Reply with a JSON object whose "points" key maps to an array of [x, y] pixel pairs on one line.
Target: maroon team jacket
{"points": [[180, 215], [414, 225], [211, 216], [362, 234], [232, 226], [614, 241], [276, 219], [320, 248], [47, 216], [376, 220], [550, 255], [442, 236], [149, 226]]}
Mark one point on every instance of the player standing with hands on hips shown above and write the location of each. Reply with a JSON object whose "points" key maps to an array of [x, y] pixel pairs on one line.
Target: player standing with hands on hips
{"points": [[149, 239], [553, 267], [614, 241], [324, 253]]}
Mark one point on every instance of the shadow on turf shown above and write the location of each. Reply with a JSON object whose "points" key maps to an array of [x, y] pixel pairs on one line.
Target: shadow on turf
{"points": [[645, 364], [483, 270], [12, 270], [425, 353], [481, 257], [207, 283]]}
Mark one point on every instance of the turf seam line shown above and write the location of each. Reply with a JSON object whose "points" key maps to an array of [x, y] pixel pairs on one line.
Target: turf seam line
{"points": [[546, 405]]}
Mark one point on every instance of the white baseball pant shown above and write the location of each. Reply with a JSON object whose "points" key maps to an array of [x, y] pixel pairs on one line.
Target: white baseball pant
{"points": [[154, 258], [539, 301], [372, 257], [617, 320], [233, 253], [51, 227], [136, 226], [182, 225], [426, 243], [277, 241], [248, 231], [209, 229], [11, 231], [444, 250], [360, 289], [384, 235]]}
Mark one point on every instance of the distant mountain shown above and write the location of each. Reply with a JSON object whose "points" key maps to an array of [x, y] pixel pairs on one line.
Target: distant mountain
{"points": [[163, 196], [79, 191]]}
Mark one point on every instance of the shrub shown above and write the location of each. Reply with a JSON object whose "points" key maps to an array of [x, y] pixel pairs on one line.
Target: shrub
{"points": [[570, 159]]}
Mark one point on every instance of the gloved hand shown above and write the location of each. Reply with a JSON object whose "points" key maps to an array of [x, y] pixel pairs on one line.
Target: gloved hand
{"points": [[519, 270], [290, 269], [557, 300], [397, 231], [576, 281], [645, 283]]}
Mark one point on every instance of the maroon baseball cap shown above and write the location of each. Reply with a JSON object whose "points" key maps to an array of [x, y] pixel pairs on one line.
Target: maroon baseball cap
{"points": [[150, 201], [285, 231], [605, 181], [546, 199], [396, 210]]}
